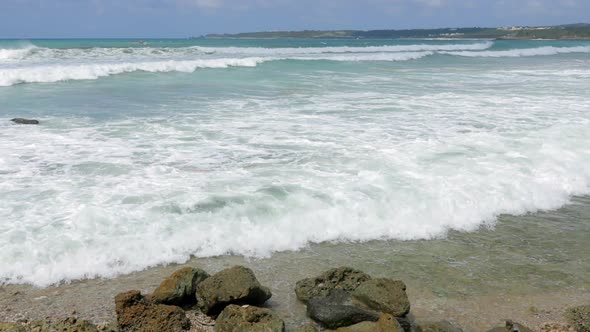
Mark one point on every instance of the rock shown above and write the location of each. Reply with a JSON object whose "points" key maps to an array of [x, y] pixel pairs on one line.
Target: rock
{"points": [[387, 323], [337, 310], [66, 325], [25, 121], [579, 318], [442, 326], [248, 319], [384, 295], [511, 327], [12, 327], [345, 278], [237, 285], [136, 313], [307, 328], [180, 287]]}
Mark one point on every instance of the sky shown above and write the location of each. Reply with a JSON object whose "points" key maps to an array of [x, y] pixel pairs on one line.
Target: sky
{"points": [[185, 18]]}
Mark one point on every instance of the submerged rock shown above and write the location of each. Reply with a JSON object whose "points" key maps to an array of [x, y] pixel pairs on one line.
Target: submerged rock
{"points": [[236, 285], [248, 319], [442, 326], [65, 325], [136, 313], [345, 278], [25, 121], [12, 327], [180, 287], [386, 323], [384, 295], [337, 310], [307, 328], [511, 327], [579, 318]]}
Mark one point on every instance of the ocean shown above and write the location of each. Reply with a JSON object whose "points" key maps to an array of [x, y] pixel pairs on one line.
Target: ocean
{"points": [[454, 159]]}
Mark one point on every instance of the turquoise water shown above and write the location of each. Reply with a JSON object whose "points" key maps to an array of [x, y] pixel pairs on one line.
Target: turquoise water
{"points": [[151, 154]]}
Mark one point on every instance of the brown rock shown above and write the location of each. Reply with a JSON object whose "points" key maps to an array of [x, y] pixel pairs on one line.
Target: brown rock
{"points": [[387, 323], [345, 278], [136, 313], [237, 285], [248, 319]]}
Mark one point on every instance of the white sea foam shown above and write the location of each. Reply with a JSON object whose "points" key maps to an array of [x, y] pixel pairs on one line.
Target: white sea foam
{"points": [[115, 197], [546, 50]]}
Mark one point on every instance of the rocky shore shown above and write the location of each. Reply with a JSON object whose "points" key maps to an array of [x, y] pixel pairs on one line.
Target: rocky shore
{"points": [[233, 300]]}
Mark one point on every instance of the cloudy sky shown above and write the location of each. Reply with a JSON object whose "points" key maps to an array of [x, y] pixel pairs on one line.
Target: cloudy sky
{"points": [[183, 18]]}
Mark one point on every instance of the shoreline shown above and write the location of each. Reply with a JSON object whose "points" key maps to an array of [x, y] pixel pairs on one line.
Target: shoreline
{"points": [[527, 268], [93, 300]]}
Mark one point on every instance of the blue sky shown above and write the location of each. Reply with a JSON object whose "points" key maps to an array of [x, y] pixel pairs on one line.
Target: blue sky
{"points": [[183, 18]]}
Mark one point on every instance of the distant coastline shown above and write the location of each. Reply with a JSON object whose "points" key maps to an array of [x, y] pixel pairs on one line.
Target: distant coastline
{"points": [[579, 31]]}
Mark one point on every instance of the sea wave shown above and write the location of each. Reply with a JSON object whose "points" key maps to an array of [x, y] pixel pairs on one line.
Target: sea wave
{"points": [[89, 71], [524, 52], [345, 49]]}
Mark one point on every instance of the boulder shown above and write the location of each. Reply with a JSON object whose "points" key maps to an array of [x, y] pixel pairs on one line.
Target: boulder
{"points": [[511, 326], [442, 326], [136, 313], [180, 287], [345, 278], [12, 327], [337, 310], [248, 319], [384, 295], [25, 121], [387, 323], [236, 285], [579, 318]]}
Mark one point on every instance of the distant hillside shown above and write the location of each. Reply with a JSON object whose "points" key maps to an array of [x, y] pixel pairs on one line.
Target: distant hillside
{"points": [[568, 31]]}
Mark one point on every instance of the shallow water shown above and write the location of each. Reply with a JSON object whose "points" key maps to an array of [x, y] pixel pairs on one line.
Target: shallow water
{"points": [[153, 155]]}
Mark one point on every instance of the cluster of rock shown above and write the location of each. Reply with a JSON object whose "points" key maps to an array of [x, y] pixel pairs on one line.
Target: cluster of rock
{"points": [[339, 300]]}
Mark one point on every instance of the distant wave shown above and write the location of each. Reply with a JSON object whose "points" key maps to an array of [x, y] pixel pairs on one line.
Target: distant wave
{"points": [[89, 71], [345, 49], [19, 50], [546, 50]]}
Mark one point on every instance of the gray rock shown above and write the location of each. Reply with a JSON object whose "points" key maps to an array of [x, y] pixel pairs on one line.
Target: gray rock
{"points": [[25, 121], [180, 287], [237, 285], [511, 326], [248, 319], [136, 313], [337, 310], [442, 326], [579, 318], [384, 295], [344, 278]]}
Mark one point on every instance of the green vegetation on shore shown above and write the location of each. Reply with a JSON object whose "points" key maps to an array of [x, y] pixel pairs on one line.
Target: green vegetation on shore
{"points": [[571, 31]]}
